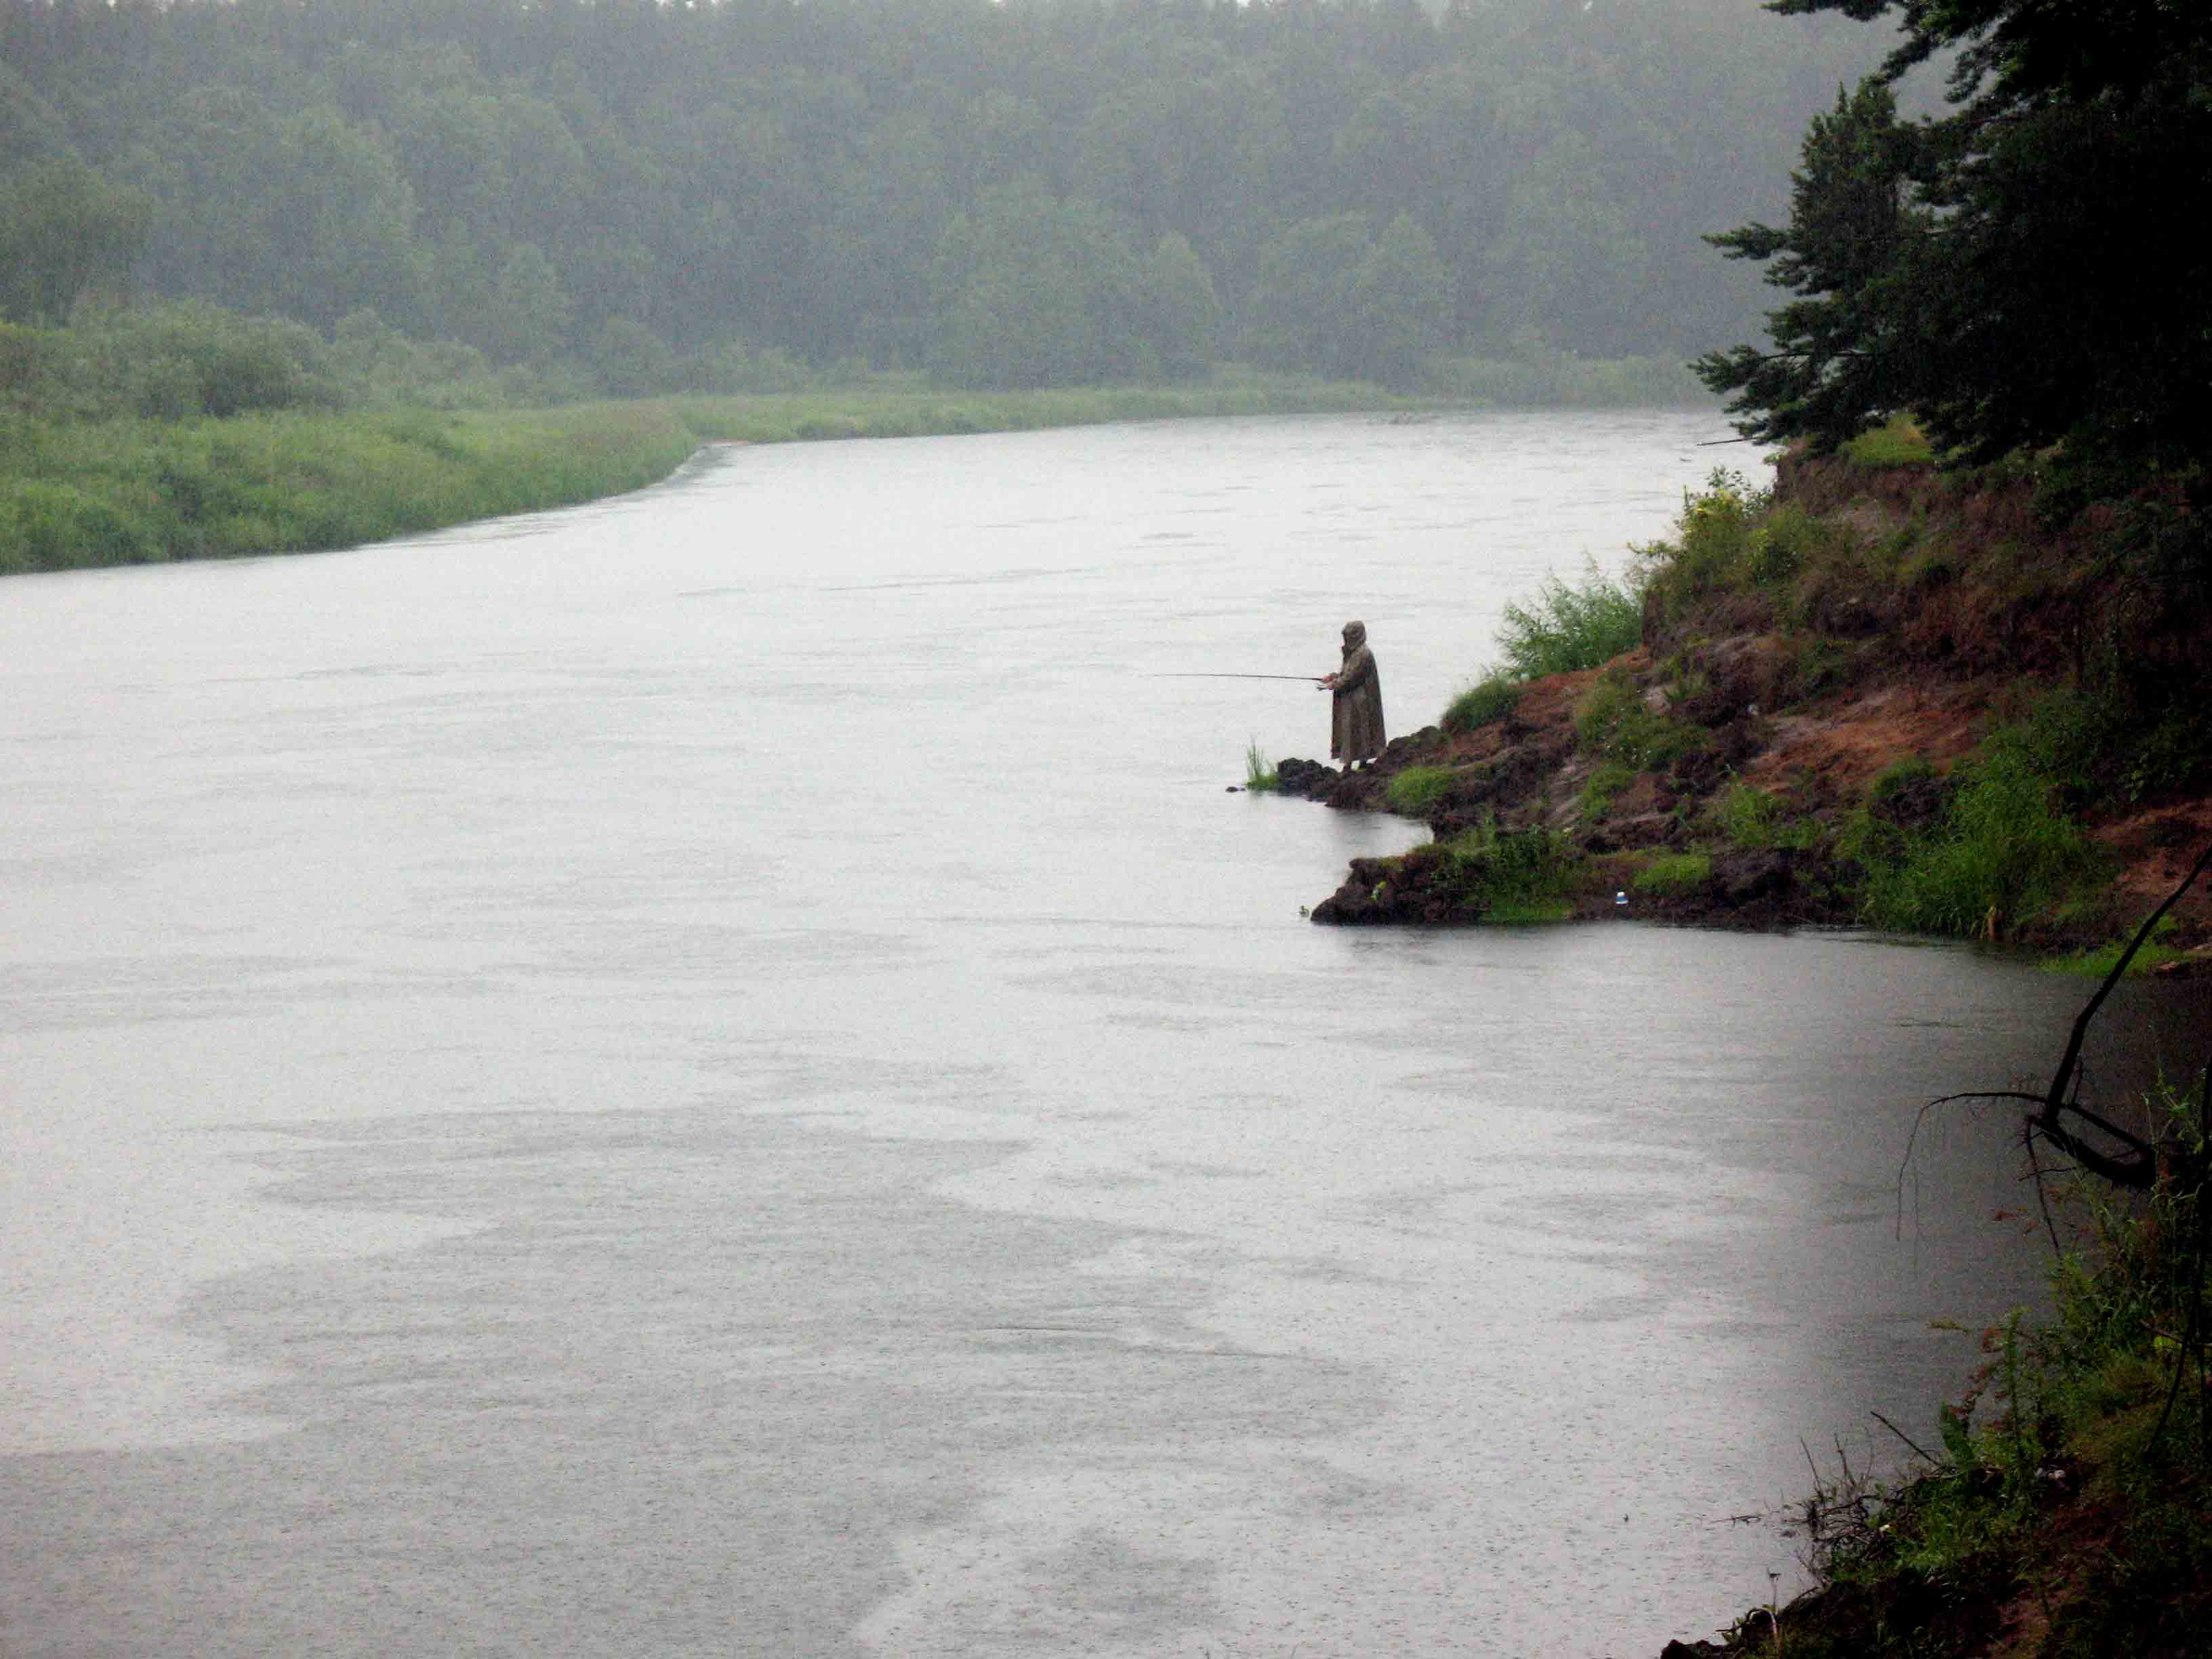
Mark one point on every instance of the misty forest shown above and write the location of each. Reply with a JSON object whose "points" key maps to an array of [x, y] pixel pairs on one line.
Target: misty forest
{"points": [[565, 199]]}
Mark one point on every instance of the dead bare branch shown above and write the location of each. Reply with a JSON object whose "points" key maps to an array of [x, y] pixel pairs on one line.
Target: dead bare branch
{"points": [[1906, 1438], [2135, 1166]]}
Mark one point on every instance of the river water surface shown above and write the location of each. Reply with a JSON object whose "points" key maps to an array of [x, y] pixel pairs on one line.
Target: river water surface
{"points": [[717, 1074]]}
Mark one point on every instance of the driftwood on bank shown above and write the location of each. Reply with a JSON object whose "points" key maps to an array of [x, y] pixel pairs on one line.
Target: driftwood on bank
{"points": [[2095, 1142]]}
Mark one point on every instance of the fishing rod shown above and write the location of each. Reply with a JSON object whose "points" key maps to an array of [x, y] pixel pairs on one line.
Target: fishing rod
{"points": [[1309, 679]]}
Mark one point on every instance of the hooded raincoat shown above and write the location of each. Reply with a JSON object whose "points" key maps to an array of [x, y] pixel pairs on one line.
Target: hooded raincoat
{"points": [[1356, 711]]}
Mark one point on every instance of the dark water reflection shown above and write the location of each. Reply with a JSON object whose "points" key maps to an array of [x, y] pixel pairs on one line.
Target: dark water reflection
{"points": [[718, 1074]]}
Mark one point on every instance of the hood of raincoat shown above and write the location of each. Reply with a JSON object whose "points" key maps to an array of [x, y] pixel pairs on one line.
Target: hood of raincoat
{"points": [[1355, 635]]}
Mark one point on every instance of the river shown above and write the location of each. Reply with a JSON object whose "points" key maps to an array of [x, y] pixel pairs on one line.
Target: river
{"points": [[719, 1073]]}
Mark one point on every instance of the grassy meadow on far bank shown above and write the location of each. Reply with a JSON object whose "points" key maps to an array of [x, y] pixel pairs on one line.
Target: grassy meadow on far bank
{"points": [[144, 491], [137, 489]]}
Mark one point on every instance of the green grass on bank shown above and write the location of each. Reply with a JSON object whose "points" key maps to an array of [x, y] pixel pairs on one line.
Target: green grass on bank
{"points": [[104, 461], [896, 408], [129, 492], [75, 494], [2098, 962], [1899, 442]]}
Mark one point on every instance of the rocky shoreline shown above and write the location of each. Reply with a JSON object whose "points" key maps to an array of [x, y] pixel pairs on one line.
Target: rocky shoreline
{"points": [[1820, 670], [1811, 765]]}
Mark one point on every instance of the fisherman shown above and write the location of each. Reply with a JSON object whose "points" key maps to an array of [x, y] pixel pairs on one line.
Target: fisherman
{"points": [[1355, 731]]}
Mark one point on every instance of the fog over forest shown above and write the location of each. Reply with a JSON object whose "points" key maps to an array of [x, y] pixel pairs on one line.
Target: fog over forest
{"points": [[652, 195]]}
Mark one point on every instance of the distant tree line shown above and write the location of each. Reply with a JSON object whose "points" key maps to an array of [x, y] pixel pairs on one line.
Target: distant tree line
{"points": [[1009, 195]]}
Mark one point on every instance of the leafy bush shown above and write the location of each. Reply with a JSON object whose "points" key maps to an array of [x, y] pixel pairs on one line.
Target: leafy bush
{"points": [[1609, 701], [1650, 741], [169, 361], [1567, 628], [1713, 538], [2077, 740], [2175, 753], [1820, 665], [374, 363], [1491, 698], [56, 526], [1787, 540]]}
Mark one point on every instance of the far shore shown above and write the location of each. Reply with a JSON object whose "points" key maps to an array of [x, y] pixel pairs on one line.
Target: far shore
{"points": [[96, 494]]}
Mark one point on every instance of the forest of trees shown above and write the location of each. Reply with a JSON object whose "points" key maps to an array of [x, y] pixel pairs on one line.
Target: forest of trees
{"points": [[2013, 271], [1043, 192]]}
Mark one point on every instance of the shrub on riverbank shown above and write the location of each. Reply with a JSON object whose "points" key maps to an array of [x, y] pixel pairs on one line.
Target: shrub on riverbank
{"points": [[1566, 628], [1510, 876], [1417, 789], [2002, 850], [1559, 629], [1674, 875], [1753, 818], [1613, 721]]}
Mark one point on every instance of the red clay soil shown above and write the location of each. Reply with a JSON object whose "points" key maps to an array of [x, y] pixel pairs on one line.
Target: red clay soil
{"points": [[1816, 758], [1842, 745]]}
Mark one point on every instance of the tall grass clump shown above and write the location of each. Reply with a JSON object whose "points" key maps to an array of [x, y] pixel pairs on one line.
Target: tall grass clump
{"points": [[1674, 875], [1260, 777], [1753, 818], [51, 526], [1514, 876], [2003, 851], [1491, 698], [1413, 792], [1896, 443], [1562, 630], [1607, 781], [1565, 628], [1613, 722]]}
